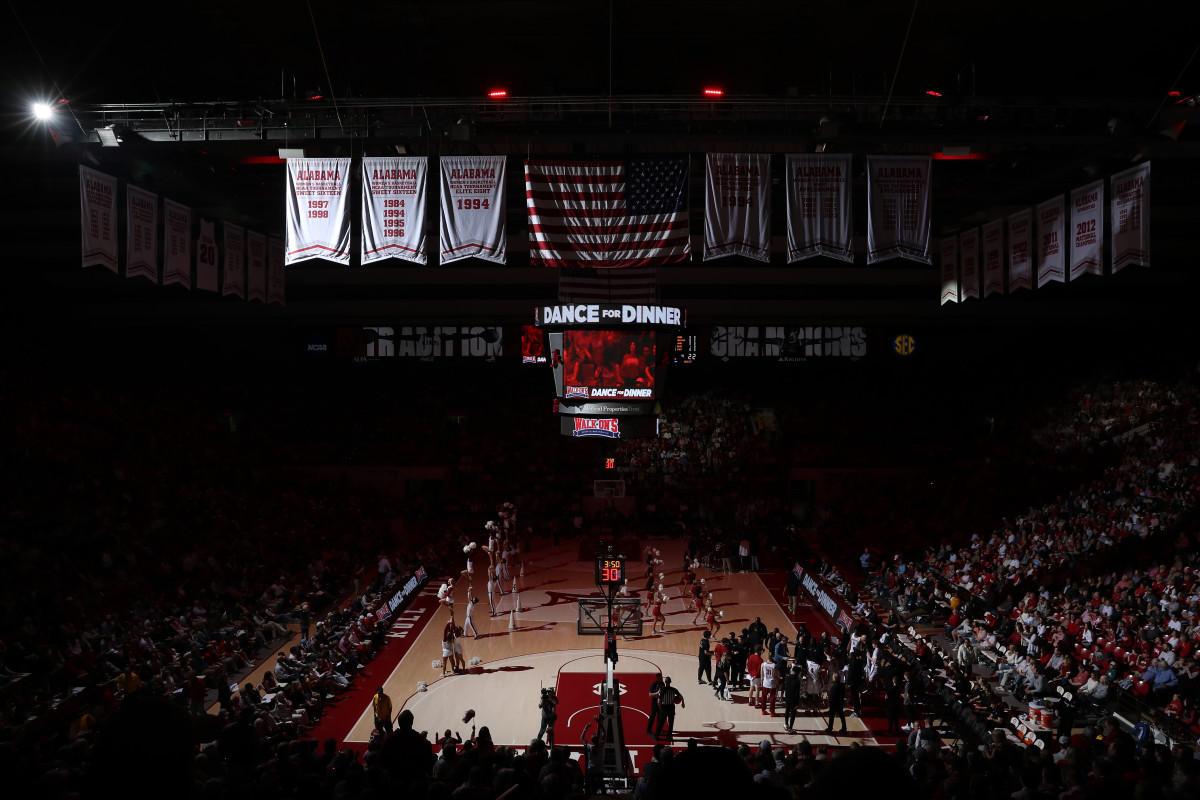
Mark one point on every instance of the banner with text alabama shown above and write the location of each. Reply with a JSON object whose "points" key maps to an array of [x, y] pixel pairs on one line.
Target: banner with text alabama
{"points": [[993, 258], [1020, 250], [818, 207], [393, 208], [98, 218], [318, 225], [950, 270], [141, 234], [899, 202], [235, 260], [206, 257], [1051, 237], [968, 254], [256, 267], [177, 244], [473, 208], [1130, 212], [737, 206], [1087, 230]]}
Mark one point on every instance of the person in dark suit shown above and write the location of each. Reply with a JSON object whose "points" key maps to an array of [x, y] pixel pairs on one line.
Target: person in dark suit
{"points": [[655, 687], [791, 697], [837, 702]]}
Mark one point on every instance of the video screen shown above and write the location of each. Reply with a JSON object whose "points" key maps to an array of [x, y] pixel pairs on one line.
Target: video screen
{"points": [[612, 364], [533, 346]]}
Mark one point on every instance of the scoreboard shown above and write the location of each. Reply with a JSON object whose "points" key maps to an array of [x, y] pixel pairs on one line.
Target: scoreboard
{"points": [[610, 571]]}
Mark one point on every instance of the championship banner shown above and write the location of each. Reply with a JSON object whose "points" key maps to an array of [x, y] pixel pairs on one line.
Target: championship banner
{"points": [[1087, 229], [318, 225], [993, 262], [206, 258], [1130, 213], [275, 270], [256, 267], [1020, 250], [737, 206], [177, 244], [1051, 232], [98, 218], [473, 208], [899, 202], [235, 260], [393, 208], [605, 214], [141, 234], [950, 270], [818, 212], [968, 249]]}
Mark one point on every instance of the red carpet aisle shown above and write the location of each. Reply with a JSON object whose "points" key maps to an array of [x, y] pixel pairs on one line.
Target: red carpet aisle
{"points": [[343, 713]]}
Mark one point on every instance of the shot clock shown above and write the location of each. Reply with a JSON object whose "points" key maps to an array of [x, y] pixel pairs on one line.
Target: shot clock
{"points": [[610, 570]]}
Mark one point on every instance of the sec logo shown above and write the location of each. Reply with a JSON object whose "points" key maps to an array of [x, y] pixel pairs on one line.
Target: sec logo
{"points": [[904, 345]]}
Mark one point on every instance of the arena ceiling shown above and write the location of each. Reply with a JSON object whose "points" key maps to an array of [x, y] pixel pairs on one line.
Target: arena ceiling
{"points": [[1017, 101]]}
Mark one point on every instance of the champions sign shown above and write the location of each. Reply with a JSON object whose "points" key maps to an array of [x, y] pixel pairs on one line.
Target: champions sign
{"points": [[591, 426], [607, 314]]}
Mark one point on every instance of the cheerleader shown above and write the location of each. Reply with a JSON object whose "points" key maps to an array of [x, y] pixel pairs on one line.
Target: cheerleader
{"points": [[656, 613], [469, 551], [492, 588], [446, 594], [697, 602], [712, 617]]}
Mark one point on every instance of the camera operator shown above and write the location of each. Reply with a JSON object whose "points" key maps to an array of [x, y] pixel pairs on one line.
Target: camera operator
{"points": [[549, 706]]}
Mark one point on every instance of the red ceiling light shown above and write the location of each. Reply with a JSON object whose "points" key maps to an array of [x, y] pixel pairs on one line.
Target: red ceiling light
{"points": [[713, 91], [497, 94], [932, 93], [1173, 93]]}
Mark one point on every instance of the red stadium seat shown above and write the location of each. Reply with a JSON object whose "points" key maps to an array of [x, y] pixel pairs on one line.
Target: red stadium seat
{"points": [[1110, 647]]}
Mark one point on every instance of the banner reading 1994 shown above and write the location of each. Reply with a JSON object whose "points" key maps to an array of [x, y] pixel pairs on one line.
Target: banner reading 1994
{"points": [[317, 223], [473, 208], [737, 206], [898, 208], [393, 208]]}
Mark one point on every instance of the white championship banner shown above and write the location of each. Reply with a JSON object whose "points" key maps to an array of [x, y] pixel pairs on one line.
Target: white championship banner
{"points": [[318, 225], [393, 208], [1051, 238], [737, 206], [256, 267], [899, 203], [1087, 230], [968, 254], [275, 270], [473, 208], [177, 244], [1020, 250], [993, 258], [235, 260], [949, 253], [141, 234], [206, 258], [98, 218], [1130, 217], [818, 208]]}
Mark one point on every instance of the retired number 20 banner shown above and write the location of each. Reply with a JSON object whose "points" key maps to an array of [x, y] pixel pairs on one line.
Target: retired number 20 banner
{"points": [[393, 208], [473, 207], [737, 206], [317, 223]]}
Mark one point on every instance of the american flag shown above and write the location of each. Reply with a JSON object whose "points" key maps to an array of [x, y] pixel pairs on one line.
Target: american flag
{"points": [[603, 214]]}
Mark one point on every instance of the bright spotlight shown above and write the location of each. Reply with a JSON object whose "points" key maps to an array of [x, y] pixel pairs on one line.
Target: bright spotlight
{"points": [[42, 111]]}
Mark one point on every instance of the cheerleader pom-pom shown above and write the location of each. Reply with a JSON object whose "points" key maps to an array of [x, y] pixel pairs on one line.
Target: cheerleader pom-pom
{"points": [[720, 613], [467, 549], [422, 686], [660, 576], [442, 592], [474, 545], [437, 663], [470, 715], [475, 661], [491, 525]]}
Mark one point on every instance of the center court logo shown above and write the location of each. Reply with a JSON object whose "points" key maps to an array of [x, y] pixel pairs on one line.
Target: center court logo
{"points": [[598, 688]]}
